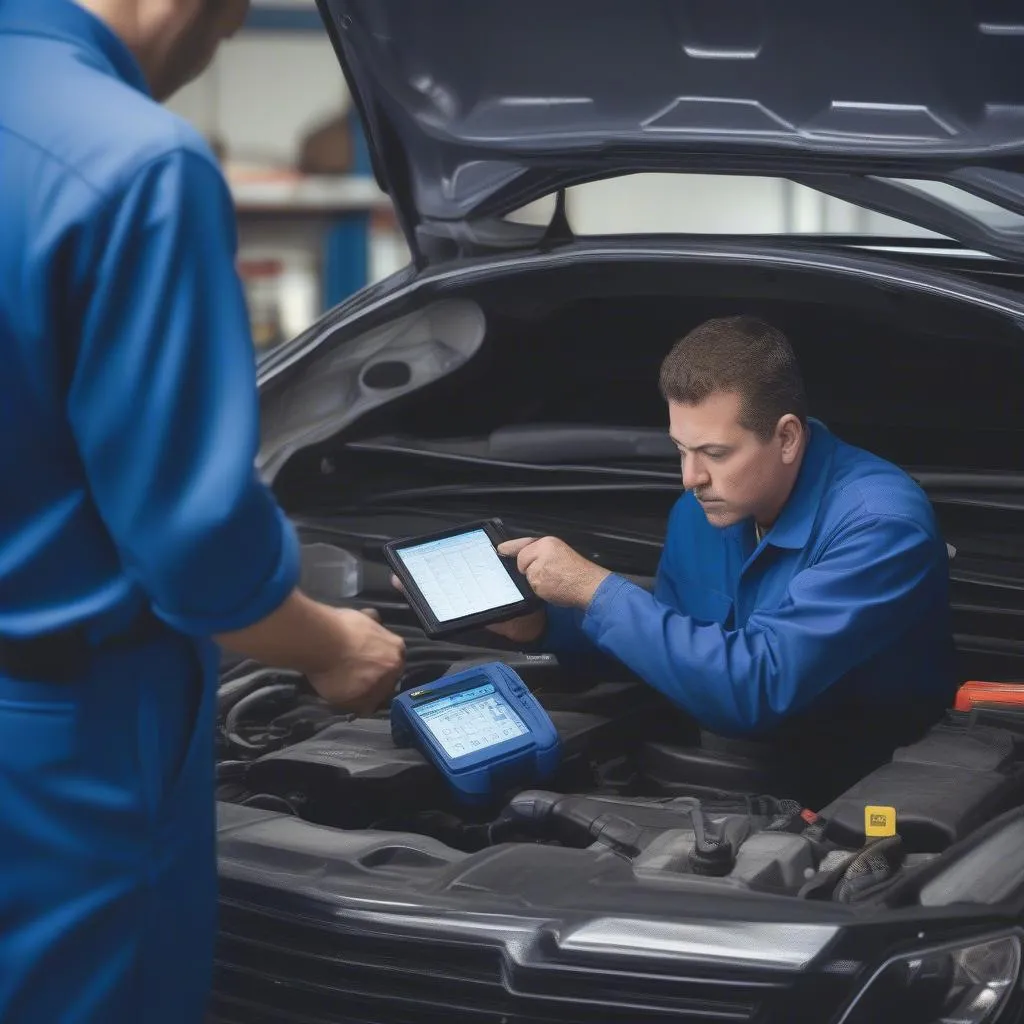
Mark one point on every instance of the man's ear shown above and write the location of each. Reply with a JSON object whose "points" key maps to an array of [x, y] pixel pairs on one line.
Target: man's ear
{"points": [[790, 432]]}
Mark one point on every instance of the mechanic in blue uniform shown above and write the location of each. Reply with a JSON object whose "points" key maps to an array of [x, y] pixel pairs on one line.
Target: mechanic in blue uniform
{"points": [[133, 529], [802, 593]]}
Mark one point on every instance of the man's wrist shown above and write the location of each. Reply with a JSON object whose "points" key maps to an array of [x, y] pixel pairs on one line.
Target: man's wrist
{"points": [[300, 634], [589, 586]]}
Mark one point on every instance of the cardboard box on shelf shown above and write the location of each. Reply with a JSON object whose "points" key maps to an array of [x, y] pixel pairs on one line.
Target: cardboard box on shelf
{"points": [[282, 293]]}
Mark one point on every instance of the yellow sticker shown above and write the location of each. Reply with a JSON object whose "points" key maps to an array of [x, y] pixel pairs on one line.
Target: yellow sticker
{"points": [[879, 821]]}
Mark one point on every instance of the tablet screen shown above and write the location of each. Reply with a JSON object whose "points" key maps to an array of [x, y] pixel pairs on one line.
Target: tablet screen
{"points": [[473, 720], [460, 575]]}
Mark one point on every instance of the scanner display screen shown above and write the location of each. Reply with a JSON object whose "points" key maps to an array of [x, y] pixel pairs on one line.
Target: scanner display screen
{"points": [[470, 721], [460, 575]]}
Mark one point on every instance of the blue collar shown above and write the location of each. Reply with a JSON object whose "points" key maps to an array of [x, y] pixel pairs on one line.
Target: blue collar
{"points": [[65, 20], [793, 527]]}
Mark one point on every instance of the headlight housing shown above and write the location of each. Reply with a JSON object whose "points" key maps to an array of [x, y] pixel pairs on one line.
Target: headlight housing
{"points": [[963, 983]]}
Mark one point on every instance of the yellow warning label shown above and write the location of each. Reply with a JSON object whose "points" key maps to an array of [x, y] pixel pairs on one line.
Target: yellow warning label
{"points": [[879, 821]]}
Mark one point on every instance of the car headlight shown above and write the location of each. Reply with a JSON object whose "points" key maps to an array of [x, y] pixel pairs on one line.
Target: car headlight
{"points": [[955, 984]]}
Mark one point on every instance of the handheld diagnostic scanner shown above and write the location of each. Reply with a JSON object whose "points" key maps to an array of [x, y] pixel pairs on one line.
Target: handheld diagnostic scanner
{"points": [[482, 728]]}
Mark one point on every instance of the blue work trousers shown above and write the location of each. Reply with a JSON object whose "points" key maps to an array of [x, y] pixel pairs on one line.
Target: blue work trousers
{"points": [[107, 858]]}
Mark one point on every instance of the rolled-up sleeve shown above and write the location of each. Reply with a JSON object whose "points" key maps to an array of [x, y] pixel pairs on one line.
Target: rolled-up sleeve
{"points": [[876, 578], [164, 408]]}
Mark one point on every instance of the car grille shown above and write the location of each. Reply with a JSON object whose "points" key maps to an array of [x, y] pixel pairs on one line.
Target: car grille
{"points": [[272, 969]]}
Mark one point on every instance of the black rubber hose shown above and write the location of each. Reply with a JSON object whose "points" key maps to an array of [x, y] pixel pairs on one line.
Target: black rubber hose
{"points": [[715, 848], [231, 771], [234, 716], [623, 472], [477, 490], [269, 802], [532, 525], [568, 819], [231, 691], [874, 866]]}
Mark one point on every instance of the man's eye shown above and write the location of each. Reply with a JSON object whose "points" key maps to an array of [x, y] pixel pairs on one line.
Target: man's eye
{"points": [[716, 456]]}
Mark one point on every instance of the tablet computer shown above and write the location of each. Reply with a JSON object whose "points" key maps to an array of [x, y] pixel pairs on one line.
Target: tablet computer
{"points": [[456, 580]]}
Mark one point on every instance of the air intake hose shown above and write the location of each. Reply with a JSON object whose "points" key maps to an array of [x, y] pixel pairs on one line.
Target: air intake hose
{"points": [[576, 821], [870, 870]]}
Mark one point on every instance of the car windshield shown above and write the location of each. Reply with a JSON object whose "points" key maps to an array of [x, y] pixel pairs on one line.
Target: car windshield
{"points": [[671, 203]]}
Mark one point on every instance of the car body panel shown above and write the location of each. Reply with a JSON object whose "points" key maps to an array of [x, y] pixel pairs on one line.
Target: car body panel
{"points": [[473, 110]]}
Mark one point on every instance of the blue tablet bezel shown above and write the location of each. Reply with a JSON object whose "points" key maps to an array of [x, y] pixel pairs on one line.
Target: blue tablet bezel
{"points": [[541, 742]]}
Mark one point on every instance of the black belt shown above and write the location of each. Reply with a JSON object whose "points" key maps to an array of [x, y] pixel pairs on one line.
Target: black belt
{"points": [[62, 656]]}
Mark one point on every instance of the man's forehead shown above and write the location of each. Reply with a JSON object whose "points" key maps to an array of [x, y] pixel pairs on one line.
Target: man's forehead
{"points": [[715, 421]]}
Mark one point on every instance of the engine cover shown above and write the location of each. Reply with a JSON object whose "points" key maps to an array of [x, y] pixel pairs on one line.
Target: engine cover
{"points": [[955, 778], [352, 773]]}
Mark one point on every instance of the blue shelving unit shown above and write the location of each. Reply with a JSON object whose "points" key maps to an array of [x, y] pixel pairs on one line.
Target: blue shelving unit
{"points": [[346, 244], [347, 255], [283, 18], [346, 215]]}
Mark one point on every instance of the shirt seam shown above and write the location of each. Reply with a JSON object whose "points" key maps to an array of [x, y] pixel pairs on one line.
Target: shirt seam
{"points": [[861, 517], [854, 491], [126, 176], [59, 161], [127, 180]]}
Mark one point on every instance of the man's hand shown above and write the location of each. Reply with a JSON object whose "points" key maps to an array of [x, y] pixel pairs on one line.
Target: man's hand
{"points": [[555, 572], [370, 660], [350, 659]]}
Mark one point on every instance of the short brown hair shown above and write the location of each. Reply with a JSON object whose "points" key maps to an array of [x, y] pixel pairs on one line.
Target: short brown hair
{"points": [[742, 355]]}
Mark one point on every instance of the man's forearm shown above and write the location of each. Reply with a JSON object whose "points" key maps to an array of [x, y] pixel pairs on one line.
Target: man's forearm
{"points": [[300, 634]]}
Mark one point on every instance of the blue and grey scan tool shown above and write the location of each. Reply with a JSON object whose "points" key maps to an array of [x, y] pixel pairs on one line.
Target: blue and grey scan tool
{"points": [[482, 728]]}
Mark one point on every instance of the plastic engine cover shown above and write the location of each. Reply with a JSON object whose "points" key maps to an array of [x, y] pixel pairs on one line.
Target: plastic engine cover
{"points": [[354, 770], [354, 766], [766, 861], [943, 787]]}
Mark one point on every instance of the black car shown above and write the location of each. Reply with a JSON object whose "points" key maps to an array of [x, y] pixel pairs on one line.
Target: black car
{"points": [[511, 371]]}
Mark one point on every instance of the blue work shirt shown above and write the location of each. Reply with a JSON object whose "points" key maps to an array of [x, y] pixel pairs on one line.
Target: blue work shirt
{"points": [[843, 606], [128, 404]]}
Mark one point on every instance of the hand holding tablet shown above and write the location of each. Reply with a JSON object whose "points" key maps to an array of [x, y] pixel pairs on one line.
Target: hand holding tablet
{"points": [[555, 572], [456, 580]]}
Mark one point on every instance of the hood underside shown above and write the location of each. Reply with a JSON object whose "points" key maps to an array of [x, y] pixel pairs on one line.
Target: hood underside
{"points": [[474, 110]]}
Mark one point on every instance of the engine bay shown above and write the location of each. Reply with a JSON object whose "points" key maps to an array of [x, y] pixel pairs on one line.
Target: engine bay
{"points": [[553, 443], [638, 780]]}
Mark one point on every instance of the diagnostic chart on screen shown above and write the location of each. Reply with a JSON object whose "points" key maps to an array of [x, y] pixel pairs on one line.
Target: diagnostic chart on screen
{"points": [[460, 575], [471, 721]]}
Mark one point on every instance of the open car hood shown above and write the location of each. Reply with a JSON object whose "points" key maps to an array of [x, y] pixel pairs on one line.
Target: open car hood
{"points": [[474, 109]]}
